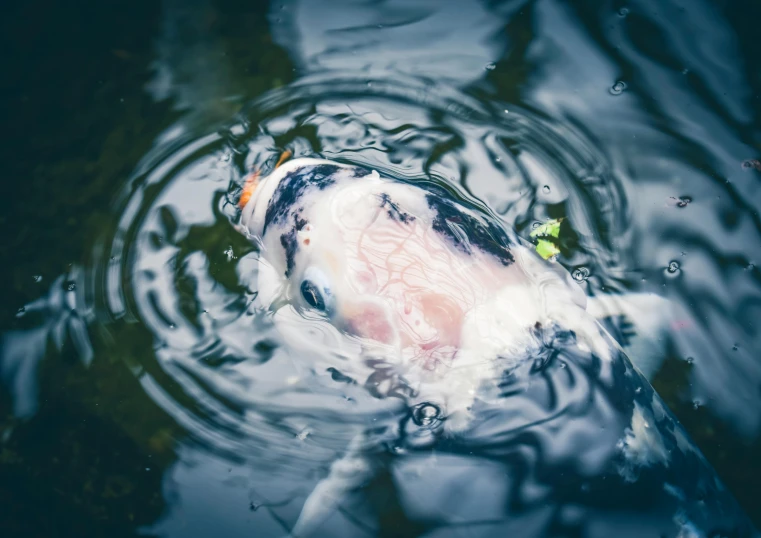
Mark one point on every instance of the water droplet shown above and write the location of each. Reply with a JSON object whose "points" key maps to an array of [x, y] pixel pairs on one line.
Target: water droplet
{"points": [[425, 414], [618, 88], [491, 66], [623, 12], [37, 278], [673, 267], [546, 189], [580, 274]]}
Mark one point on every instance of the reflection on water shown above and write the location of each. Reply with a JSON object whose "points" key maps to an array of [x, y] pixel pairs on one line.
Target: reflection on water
{"points": [[634, 122]]}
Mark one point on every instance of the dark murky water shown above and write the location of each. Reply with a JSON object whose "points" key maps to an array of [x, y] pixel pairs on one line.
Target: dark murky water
{"points": [[143, 394]]}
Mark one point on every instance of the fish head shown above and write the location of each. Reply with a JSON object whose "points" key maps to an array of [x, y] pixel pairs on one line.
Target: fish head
{"points": [[370, 256]]}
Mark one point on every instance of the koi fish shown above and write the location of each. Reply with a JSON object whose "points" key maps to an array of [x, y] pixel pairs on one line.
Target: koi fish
{"points": [[437, 290]]}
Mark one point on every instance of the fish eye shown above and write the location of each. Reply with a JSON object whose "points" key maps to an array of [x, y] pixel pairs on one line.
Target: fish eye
{"points": [[312, 295], [316, 291]]}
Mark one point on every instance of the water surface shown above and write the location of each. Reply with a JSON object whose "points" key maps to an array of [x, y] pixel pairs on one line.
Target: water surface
{"points": [[141, 391]]}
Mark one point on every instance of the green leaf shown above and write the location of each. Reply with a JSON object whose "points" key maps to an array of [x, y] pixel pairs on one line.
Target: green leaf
{"points": [[551, 228], [547, 249]]}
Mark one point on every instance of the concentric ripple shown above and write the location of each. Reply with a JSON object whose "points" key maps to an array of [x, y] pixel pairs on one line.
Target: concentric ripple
{"points": [[176, 275]]}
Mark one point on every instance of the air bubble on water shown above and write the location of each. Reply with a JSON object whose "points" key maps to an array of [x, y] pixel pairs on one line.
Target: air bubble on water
{"points": [[230, 253], [507, 111], [638, 390], [623, 12], [425, 414], [302, 435], [535, 225], [750, 266], [491, 66], [735, 347], [546, 189], [71, 286], [618, 87], [20, 311], [254, 506], [685, 71], [673, 267], [690, 360], [696, 404], [37, 278], [580, 274]]}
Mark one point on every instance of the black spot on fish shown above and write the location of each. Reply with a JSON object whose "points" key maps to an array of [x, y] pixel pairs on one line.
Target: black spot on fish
{"points": [[293, 186], [466, 231], [290, 242], [393, 210], [341, 378], [620, 328]]}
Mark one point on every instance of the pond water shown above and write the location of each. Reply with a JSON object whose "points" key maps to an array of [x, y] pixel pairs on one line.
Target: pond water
{"points": [[143, 393]]}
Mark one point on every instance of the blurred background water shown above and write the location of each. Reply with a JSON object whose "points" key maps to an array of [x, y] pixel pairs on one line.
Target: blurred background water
{"points": [[141, 394]]}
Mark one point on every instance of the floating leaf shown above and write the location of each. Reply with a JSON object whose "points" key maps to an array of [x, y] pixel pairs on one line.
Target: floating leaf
{"points": [[547, 249], [551, 228]]}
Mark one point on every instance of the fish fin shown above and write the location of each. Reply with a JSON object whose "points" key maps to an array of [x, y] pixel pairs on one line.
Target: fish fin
{"points": [[346, 474]]}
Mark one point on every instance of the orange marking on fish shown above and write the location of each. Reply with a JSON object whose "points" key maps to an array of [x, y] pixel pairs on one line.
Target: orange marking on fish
{"points": [[248, 189], [283, 157], [253, 181]]}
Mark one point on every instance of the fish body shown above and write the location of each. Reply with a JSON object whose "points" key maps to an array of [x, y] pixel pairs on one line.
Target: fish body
{"points": [[462, 316], [434, 287]]}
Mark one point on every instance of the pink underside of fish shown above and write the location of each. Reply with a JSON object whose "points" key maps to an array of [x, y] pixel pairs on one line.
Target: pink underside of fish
{"points": [[408, 285]]}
